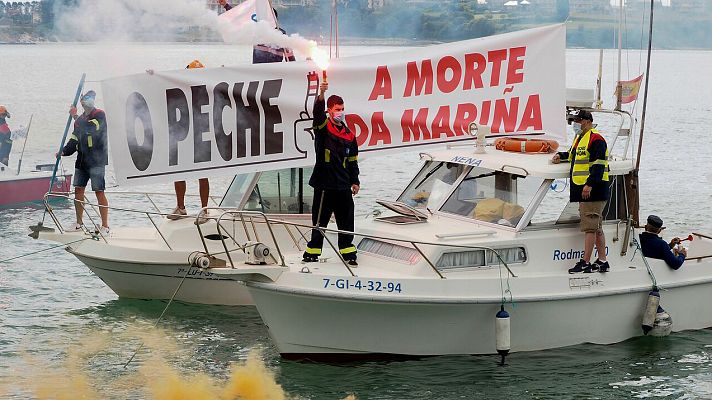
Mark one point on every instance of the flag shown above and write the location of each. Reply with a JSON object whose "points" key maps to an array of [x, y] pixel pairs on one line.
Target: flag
{"points": [[629, 90], [19, 133], [240, 18]]}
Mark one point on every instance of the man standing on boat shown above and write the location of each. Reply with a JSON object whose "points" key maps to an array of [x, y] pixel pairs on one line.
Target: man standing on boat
{"points": [[653, 246], [265, 53], [5, 137], [588, 156], [89, 141], [335, 176], [180, 186]]}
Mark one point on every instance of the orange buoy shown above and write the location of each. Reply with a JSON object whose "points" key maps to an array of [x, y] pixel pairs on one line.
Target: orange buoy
{"points": [[526, 145]]}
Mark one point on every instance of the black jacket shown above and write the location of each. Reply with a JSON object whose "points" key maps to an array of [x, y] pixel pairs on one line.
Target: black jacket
{"points": [[600, 190], [655, 247], [89, 141], [336, 166]]}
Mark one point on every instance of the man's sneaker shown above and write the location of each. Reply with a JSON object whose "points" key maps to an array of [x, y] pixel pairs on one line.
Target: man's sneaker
{"points": [[178, 213], [103, 231], [580, 266], [352, 263], [602, 266], [308, 258], [202, 217], [76, 227]]}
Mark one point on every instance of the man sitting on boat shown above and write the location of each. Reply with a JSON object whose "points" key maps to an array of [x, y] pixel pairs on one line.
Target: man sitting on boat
{"points": [[588, 156], [5, 137], [653, 246], [335, 176], [89, 141]]}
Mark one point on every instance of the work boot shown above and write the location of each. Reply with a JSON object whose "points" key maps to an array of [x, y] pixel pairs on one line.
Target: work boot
{"points": [[602, 265], [352, 263], [309, 258], [580, 266]]}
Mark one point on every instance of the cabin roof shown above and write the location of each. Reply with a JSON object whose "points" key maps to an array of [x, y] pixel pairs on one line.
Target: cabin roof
{"points": [[538, 165]]}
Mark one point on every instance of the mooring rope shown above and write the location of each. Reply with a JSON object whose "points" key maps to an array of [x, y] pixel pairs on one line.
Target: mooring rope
{"points": [[160, 317], [645, 261], [40, 251]]}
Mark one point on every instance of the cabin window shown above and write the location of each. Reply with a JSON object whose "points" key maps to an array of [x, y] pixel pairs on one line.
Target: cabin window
{"points": [[556, 209], [493, 196], [240, 184], [432, 184], [284, 191], [390, 250], [481, 258]]}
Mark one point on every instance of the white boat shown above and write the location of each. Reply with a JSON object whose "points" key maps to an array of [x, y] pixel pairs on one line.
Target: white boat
{"points": [[157, 258], [432, 275]]}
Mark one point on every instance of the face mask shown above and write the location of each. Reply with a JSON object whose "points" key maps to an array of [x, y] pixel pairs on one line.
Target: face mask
{"points": [[88, 103], [339, 117], [576, 127]]}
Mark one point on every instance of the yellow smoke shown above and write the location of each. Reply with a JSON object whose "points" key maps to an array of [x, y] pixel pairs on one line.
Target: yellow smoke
{"points": [[91, 368]]}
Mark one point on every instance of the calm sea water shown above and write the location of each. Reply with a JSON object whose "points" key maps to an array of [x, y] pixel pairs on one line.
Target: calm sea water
{"points": [[64, 334]]}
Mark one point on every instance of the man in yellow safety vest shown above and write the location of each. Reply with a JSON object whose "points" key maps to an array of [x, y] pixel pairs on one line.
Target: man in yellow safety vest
{"points": [[588, 156]]}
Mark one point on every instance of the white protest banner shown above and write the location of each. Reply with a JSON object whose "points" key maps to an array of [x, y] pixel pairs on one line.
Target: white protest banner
{"points": [[203, 122]]}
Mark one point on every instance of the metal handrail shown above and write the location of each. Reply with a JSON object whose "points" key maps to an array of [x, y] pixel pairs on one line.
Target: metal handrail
{"points": [[414, 243], [262, 218]]}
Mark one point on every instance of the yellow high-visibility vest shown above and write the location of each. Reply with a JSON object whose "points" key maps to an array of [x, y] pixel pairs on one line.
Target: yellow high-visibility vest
{"points": [[581, 160]]}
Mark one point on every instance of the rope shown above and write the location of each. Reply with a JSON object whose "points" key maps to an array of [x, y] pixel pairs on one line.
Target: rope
{"points": [[645, 261], [501, 287], [39, 251], [160, 317]]}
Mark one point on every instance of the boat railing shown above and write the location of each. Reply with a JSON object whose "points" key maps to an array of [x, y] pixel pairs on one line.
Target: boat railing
{"points": [[247, 220], [95, 216]]}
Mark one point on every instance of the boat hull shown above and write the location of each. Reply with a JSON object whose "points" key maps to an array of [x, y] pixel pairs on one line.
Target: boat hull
{"points": [[303, 325], [27, 188], [162, 281]]}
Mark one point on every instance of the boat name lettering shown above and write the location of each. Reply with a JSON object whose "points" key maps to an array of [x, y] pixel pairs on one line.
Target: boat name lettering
{"points": [[363, 285], [572, 254], [194, 271], [467, 160]]}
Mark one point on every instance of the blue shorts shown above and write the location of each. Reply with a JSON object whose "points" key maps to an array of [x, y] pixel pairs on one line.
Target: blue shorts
{"points": [[96, 174]]}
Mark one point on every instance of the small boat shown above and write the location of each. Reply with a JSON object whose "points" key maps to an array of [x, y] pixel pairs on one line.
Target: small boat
{"points": [[153, 261], [26, 187], [433, 273]]}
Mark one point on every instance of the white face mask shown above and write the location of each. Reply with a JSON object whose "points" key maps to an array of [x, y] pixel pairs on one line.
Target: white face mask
{"points": [[576, 127], [339, 117]]}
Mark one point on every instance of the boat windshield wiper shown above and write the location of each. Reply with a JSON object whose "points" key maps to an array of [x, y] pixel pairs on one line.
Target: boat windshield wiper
{"points": [[486, 174], [428, 175]]}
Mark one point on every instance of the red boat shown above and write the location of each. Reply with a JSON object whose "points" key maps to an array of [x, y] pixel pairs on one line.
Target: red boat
{"points": [[30, 186]]}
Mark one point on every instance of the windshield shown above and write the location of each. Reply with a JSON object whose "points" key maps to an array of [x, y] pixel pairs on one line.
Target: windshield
{"points": [[240, 184], [283, 191], [493, 196], [432, 184]]}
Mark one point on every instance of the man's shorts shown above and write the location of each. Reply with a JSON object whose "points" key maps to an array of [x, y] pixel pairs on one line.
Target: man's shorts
{"points": [[96, 174], [591, 215]]}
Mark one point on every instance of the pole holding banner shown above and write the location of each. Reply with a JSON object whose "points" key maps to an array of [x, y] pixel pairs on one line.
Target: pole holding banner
{"points": [[61, 145]]}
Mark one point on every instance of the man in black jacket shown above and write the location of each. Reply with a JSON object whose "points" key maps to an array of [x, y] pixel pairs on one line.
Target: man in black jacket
{"points": [[89, 141], [335, 176]]}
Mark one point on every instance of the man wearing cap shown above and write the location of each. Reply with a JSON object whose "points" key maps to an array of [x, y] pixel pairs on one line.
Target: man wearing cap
{"points": [[5, 141], [588, 156], [89, 141], [653, 246]]}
